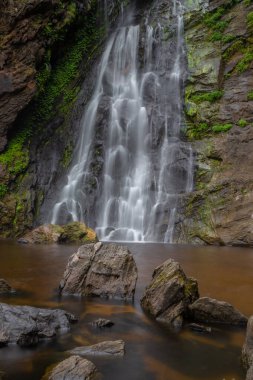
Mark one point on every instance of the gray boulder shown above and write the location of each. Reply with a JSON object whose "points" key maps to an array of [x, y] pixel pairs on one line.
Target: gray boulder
{"points": [[26, 326], [209, 310], [169, 293], [103, 270], [5, 287], [111, 348], [247, 351], [73, 368]]}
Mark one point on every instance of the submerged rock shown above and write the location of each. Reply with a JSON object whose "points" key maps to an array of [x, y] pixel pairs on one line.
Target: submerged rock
{"points": [[75, 232], [26, 326], [101, 322], [5, 287], [103, 270], [114, 347], [199, 328], [209, 310], [169, 293], [73, 368], [247, 351]]}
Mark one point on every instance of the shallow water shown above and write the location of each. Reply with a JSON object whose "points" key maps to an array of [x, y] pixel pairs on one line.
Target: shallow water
{"points": [[152, 352]]}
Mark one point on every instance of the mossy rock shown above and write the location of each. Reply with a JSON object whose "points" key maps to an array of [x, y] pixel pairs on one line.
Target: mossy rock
{"points": [[75, 232]]}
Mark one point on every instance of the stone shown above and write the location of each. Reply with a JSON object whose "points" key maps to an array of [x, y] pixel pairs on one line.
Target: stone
{"points": [[5, 287], [26, 326], [247, 351], [102, 270], [209, 310], [169, 294], [199, 328], [73, 368], [249, 375], [74, 232], [114, 348], [101, 322]]}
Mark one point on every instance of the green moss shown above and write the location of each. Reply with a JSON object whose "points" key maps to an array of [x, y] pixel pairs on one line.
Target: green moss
{"points": [[16, 156], [242, 123], [250, 20], [221, 128], [197, 131], [211, 97], [250, 95], [3, 190], [245, 62], [67, 156]]}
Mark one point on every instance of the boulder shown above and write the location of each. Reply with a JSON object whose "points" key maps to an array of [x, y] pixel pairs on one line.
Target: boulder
{"points": [[169, 293], [208, 310], [101, 322], [73, 368], [114, 348], [26, 326], [102, 270], [247, 351], [250, 373], [74, 232], [5, 288]]}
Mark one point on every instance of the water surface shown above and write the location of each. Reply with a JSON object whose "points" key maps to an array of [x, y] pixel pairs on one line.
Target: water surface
{"points": [[152, 352]]}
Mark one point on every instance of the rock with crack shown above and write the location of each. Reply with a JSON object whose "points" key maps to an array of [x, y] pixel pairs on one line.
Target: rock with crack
{"points": [[5, 288], [73, 368], [101, 322], [247, 351], [169, 294], [102, 270], [26, 326], [111, 348], [209, 310]]}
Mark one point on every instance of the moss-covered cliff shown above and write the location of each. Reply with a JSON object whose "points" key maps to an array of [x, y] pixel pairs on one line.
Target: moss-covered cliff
{"points": [[219, 115], [47, 50]]}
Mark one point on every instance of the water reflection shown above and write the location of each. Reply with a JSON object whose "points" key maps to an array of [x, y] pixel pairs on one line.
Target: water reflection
{"points": [[152, 352]]}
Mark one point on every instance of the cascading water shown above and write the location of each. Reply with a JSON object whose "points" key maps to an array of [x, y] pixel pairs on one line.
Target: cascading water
{"points": [[147, 167]]}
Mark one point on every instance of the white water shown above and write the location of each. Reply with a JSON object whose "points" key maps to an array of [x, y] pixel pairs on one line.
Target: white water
{"points": [[146, 165]]}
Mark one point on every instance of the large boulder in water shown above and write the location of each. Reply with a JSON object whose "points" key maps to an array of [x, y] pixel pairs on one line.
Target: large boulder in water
{"points": [[169, 293], [247, 351], [209, 310], [103, 270], [73, 368], [5, 288], [26, 326], [74, 232]]}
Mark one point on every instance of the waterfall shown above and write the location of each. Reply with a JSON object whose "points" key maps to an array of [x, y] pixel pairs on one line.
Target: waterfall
{"points": [[147, 167]]}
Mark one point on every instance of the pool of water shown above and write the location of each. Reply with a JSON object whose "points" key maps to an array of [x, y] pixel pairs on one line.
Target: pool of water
{"points": [[152, 352]]}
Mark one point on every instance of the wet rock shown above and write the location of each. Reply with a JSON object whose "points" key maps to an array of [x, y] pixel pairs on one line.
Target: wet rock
{"points": [[26, 326], [5, 287], [102, 323], [208, 310], [103, 270], [75, 232], [199, 328], [73, 368], [114, 348], [247, 351], [169, 293], [249, 375]]}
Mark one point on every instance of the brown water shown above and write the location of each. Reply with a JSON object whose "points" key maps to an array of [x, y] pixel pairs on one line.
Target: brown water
{"points": [[152, 352]]}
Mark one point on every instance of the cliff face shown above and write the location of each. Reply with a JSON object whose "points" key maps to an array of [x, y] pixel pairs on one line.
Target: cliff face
{"points": [[219, 114], [47, 49]]}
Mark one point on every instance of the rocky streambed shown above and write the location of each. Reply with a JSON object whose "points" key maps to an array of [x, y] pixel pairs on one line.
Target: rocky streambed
{"points": [[132, 344]]}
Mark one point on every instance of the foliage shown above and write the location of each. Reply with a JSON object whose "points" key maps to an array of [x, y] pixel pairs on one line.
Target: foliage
{"points": [[242, 123], [221, 128], [3, 190], [211, 97]]}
